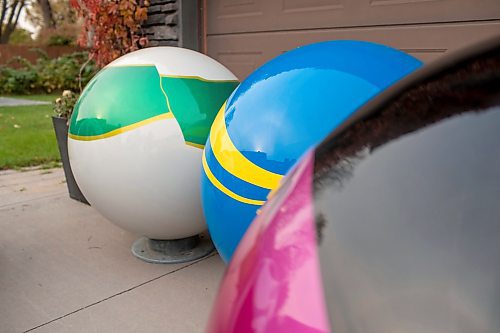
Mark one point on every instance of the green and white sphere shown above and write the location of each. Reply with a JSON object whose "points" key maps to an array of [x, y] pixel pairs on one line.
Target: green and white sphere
{"points": [[135, 137]]}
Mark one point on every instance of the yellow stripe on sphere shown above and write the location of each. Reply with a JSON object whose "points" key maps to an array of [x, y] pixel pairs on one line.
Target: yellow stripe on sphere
{"points": [[233, 161], [224, 189]]}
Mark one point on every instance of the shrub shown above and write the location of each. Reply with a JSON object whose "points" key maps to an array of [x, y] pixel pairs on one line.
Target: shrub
{"points": [[59, 40], [46, 75], [20, 36], [65, 34]]}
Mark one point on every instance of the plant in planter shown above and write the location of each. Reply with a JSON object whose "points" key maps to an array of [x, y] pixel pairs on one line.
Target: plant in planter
{"points": [[63, 108]]}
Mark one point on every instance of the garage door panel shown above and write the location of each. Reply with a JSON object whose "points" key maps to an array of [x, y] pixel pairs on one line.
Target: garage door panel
{"points": [[230, 10], [235, 16], [302, 6], [240, 61], [242, 53]]}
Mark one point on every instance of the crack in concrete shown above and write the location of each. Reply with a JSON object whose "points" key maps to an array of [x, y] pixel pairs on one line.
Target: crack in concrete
{"points": [[120, 293]]}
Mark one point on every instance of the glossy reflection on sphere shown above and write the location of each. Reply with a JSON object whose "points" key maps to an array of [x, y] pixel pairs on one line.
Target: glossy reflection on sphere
{"points": [[283, 108], [136, 137]]}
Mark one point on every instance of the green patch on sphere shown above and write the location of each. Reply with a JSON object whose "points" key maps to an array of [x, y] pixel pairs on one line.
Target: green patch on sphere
{"points": [[118, 97], [195, 103]]}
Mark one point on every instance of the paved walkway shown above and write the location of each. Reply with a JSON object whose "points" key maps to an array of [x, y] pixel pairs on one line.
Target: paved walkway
{"points": [[7, 101], [64, 268]]}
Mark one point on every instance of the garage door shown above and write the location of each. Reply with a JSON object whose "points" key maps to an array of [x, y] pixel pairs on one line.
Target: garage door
{"points": [[243, 34]]}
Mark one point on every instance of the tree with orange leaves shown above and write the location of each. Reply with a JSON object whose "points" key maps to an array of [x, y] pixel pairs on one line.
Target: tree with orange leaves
{"points": [[111, 28]]}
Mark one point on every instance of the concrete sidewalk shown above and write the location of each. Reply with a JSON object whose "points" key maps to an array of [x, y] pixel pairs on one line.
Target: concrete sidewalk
{"points": [[7, 101], [64, 268]]}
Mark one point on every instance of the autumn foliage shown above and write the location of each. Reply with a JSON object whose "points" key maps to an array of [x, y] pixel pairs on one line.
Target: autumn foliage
{"points": [[111, 28]]}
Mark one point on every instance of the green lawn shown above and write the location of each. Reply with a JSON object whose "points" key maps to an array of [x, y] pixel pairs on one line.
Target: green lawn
{"points": [[26, 135]]}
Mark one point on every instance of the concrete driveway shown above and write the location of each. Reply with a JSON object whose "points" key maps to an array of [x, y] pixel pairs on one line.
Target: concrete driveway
{"points": [[64, 268]]}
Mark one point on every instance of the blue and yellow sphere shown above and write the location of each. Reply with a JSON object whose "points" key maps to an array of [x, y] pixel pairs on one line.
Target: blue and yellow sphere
{"points": [[136, 137], [281, 110]]}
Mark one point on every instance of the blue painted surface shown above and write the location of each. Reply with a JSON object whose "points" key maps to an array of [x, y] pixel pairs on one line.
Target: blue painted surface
{"points": [[287, 106], [232, 182], [232, 215]]}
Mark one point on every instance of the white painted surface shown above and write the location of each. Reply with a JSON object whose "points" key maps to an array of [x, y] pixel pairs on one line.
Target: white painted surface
{"points": [[177, 61], [145, 180]]}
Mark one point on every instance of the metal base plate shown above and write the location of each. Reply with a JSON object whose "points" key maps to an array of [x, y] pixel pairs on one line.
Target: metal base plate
{"points": [[172, 251]]}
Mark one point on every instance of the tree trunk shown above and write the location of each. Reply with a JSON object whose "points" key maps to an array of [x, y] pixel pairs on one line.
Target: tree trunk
{"points": [[48, 16], [9, 16], [3, 13]]}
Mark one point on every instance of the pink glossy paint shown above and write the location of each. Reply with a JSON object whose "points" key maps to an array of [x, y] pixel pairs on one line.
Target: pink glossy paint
{"points": [[273, 281]]}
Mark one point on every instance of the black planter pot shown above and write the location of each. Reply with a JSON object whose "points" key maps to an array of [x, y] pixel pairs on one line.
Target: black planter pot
{"points": [[61, 129]]}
